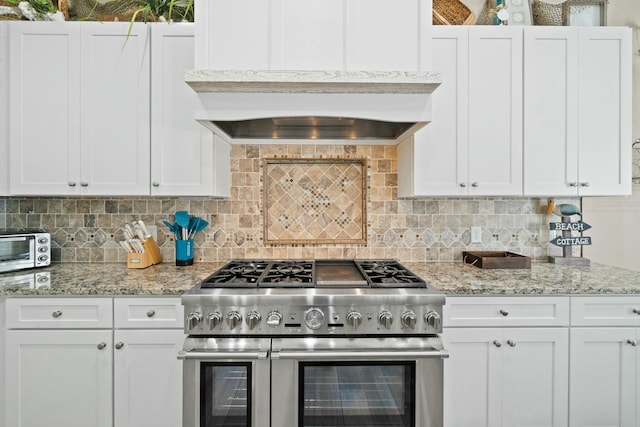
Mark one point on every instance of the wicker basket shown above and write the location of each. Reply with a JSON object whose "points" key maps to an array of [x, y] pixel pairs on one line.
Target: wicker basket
{"points": [[451, 12]]}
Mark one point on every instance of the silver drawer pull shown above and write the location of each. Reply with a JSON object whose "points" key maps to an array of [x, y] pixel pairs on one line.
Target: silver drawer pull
{"points": [[151, 313], [119, 345], [56, 314], [218, 355], [632, 342], [102, 345], [504, 312], [497, 343], [359, 355], [511, 343]]}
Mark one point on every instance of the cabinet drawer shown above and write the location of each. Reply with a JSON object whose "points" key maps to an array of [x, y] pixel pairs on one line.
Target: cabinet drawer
{"points": [[605, 311], [59, 313], [506, 311], [159, 312]]}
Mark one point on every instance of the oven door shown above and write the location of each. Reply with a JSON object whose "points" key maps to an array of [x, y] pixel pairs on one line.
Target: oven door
{"points": [[357, 382], [226, 382]]}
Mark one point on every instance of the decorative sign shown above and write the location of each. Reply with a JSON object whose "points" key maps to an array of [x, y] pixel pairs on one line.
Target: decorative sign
{"points": [[569, 226], [571, 241]]}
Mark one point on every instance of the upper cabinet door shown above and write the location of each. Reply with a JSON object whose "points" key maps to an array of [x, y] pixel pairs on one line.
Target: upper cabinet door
{"points": [[45, 108], [604, 109], [181, 148], [495, 110], [551, 111], [4, 109], [115, 109]]}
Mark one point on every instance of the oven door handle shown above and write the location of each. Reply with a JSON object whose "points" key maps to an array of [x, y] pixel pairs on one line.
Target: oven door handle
{"points": [[219, 355], [332, 355]]}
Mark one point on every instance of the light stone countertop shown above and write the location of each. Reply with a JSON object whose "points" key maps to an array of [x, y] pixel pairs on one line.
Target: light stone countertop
{"points": [[454, 279]]}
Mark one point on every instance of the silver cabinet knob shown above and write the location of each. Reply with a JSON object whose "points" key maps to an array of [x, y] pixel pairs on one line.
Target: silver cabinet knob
{"points": [[636, 311], [463, 184], [71, 184], [572, 184], [584, 184], [102, 345], [155, 184], [233, 319], [193, 320], [354, 319], [151, 313], [475, 184], [214, 319], [253, 319], [274, 319], [433, 319], [511, 343], [504, 312], [84, 184], [119, 345], [385, 319], [632, 342], [409, 319], [56, 314], [497, 343]]}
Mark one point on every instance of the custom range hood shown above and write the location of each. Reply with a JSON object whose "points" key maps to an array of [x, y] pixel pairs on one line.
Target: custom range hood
{"points": [[295, 71]]}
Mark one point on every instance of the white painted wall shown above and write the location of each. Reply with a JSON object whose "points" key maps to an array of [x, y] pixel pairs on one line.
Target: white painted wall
{"points": [[616, 220]]}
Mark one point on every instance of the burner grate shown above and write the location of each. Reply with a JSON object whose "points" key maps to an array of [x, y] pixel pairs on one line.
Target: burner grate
{"points": [[292, 274], [390, 274], [237, 274]]}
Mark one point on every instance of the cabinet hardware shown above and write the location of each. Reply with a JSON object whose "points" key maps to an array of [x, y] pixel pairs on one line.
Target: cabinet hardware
{"points": [[636, 311], [463, 185], [155, 184], [151, 313], [504, 312], [56, 314], [475, 184], [84, 184], [573, 184], [511, 343], [497, 343], [584, 184], [632, 342], [71, 184], [119, 345], [102, 345]]}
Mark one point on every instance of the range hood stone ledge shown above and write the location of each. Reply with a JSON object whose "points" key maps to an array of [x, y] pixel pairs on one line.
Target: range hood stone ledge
{"points": [[309, 81]]}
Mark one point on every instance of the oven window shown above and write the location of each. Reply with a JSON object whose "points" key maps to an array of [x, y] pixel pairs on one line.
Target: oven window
{"points": [[225, 400], [357, 394]]}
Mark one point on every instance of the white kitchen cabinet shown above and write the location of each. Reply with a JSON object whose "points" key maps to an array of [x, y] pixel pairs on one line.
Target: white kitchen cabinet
{"points": [[516, 375], [59, 378], [474, 144], [577, 106], [308, 35], [4, 109], [605, 361], [183, 152], [79, 109]]}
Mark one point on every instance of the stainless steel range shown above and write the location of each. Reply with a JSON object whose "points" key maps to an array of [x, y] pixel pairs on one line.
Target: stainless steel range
{"points": [[286, 343]]}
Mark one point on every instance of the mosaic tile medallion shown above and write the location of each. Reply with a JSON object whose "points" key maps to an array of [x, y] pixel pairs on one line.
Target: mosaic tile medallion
{"points": [[315, 201]]}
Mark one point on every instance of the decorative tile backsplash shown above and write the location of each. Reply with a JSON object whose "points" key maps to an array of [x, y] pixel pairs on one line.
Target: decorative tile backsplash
{"points": [[86, 229]]}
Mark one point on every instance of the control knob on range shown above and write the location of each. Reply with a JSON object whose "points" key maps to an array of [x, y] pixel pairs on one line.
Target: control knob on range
{"points": [[193, 319], [274, 319], [253, 319], [409, 319], [433, 319], [354, 319], [214, 319], [385, 319], [233, 319]]}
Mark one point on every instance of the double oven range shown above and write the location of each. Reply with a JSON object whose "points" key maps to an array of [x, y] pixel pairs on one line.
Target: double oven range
{"points": [[313, 343]]}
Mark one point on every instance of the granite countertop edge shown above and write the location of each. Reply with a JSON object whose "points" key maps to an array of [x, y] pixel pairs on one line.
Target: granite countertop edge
{"points": [[452, 278]]}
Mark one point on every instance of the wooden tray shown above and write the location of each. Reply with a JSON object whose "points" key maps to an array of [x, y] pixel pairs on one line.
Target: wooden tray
{"points": [[496, 259]]}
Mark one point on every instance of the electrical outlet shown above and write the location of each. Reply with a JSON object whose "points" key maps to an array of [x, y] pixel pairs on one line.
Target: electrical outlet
{"points": [[476, 234]]}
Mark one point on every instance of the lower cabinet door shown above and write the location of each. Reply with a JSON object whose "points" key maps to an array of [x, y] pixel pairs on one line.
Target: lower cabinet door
{"points": [[604, 377], [147, 378], [58, 378]]}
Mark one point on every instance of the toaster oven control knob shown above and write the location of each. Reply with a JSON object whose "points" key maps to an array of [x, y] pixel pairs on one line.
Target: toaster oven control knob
{"points": [[433, 319], [354, 319], [409, 319], [253, 319], [193, 319], [313, 318], [233, 319], [274, 319], [214, 319], [385, 319]]}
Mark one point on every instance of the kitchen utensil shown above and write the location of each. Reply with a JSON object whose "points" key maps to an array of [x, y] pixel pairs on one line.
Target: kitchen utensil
{"points": [[144, 229], [173, 228], [182, 219]]}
